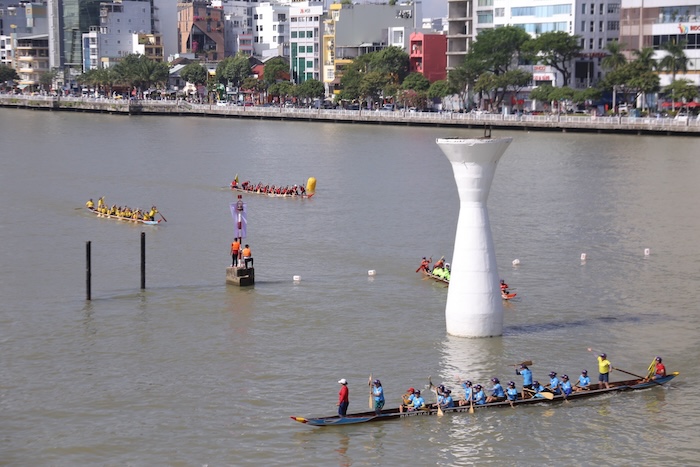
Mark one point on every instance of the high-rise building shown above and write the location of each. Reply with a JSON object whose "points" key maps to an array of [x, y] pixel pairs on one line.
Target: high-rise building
{"points": [[653, 23]]}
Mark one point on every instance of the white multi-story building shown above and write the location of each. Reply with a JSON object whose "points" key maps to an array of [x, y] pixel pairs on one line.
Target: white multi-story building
{"points": [[238, 24], [270, 28], [19, 20], [595, 23], [122, 25], [305, 34]]}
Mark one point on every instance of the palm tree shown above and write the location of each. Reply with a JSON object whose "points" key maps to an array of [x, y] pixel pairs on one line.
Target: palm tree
{"points": [[675, 59], [645, 57], [616, 58], [612, 62]]}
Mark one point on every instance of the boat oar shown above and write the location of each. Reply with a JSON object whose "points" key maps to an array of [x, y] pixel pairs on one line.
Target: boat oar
{"points": [[546, 395], [161, 215], [637, 376], [437, 400], [371, 401], [526, 363]]}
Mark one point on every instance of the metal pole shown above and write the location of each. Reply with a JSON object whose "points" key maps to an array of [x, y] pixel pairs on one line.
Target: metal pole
{"points": [[88, 272], [143, 260]]}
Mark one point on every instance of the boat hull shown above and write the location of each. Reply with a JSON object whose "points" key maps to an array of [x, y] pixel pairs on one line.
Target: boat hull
{"points": [[393, 414], [272, 195], [125, 219]]}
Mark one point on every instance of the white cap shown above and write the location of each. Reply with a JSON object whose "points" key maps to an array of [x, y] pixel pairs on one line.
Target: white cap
{"points": [[343, 381]]}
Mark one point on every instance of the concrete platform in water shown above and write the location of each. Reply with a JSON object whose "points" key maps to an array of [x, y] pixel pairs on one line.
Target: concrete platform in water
{"points": [[241, 277]]}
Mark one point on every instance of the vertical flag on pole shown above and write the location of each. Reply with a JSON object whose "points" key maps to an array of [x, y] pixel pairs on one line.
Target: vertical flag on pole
{"points": [[239, 213]]}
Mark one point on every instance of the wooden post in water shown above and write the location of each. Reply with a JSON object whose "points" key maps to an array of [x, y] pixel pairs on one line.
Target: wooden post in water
{"points": [[88, 272], [143, 260]]}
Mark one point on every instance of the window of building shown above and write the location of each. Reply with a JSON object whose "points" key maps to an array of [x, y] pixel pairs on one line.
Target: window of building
{"points": [[309, 34], [485, 3], [600, 26], [274, 27], [255, 16], [294, 35], [600, 43], [583, 8], [613, 8], [593, 8], [592, 26], [613, 25], [309, 64], [601, 8], [583, 26], [500, 12], [590, 43], [484, 17]]}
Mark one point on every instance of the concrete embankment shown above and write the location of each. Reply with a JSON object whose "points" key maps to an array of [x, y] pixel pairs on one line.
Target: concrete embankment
{"points": [[559, 123]]}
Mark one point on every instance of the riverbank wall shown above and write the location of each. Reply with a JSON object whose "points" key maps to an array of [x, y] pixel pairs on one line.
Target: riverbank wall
{"points": [[554, 122]]}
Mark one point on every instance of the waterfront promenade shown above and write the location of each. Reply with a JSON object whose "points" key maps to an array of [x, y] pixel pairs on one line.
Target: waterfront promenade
{"points": [[553, 122]]}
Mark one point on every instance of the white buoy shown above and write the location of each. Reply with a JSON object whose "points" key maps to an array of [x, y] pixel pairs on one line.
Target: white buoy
{"points": [[474, 305], [371, 272], [647, 252], [296, 278], [516, 262], [583, 256]]}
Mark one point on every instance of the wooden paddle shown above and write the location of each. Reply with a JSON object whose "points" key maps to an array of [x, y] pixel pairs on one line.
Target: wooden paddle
{"points": [[546, 395], [526, 363], [371, 398], [437, 400], [161, 215]]}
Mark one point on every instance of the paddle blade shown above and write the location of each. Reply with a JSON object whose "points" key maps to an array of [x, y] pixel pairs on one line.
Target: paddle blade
{"points": [[471, 409], [440, 412], [547, 395]]}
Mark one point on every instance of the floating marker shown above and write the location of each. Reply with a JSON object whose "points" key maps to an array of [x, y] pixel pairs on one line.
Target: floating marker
{"points": [[371, 272], [516, 262], [583, 256], [646, 252], [296, 278]]}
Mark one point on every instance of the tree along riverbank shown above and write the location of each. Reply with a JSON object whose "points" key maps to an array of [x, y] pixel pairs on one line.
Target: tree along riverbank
{"points": [[553, 122]]}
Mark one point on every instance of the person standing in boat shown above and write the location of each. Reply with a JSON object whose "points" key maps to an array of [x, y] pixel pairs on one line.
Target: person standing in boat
{"points": [[235, 251], [583, 382], [343, 397], [604, 368], [424, 265], [378, 393], [526, 373]]}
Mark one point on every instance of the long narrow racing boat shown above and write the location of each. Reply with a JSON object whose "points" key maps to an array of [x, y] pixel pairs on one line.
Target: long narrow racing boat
{"points": [[395, 413], [430, 275], [295, 191], [125, 219]]}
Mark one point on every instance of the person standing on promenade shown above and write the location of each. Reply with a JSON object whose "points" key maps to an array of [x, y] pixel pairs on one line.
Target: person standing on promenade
{"points": [[343, 397]]}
